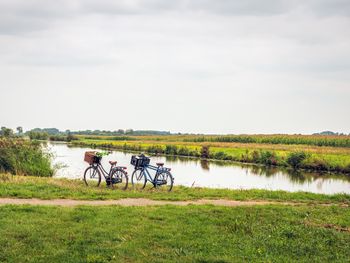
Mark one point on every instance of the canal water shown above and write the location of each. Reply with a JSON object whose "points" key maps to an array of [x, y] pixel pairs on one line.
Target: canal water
{"points": [[214, 174]]}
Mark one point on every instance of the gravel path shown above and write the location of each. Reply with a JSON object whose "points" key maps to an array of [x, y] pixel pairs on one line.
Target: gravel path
{"points": [[142, 202]]}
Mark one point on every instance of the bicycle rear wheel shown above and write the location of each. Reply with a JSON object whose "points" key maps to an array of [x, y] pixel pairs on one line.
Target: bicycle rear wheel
{"points": [[138, 179], [119, 179], [164, 180], [92, 176]]}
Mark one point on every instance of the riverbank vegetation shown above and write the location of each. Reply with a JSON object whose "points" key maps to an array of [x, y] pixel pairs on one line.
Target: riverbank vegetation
{"points": [[51, 188], [18, 156], [295, 156], [170, 233]]}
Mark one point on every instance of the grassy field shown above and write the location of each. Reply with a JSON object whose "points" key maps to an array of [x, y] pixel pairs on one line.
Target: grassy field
{"points": [[169, 234], [51, 188], [297, 156], [307, 232]]}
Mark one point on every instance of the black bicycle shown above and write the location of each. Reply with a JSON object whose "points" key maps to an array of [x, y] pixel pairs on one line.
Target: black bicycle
{"points": [[141, 175], [117, 177]]}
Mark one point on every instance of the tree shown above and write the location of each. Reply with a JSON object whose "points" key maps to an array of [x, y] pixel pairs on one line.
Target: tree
{"points": [[6, 132], [19, 130], [129, 131]]}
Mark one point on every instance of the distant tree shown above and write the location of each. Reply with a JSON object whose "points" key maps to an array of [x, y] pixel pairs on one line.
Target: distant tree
{"points": [[120, 131], [6, 132], [129, 131], [33, 135], [19, 130]]}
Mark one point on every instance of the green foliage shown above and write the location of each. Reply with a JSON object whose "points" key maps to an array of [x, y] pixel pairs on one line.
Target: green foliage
{"points": [[22, 157], [205, 153], [35, 135], [267, 158], [6, 132], [295, 159], [171, 149], [19, 130]]}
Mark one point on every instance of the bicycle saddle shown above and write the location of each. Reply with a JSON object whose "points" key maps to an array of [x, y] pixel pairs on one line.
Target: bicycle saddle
{"points": [[160, 164], [112, 163]]}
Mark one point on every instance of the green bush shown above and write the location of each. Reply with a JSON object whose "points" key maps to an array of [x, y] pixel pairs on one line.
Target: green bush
{"points": [[171, 149], [295, 159], [205, 152], [267, 158], [18, 156]]}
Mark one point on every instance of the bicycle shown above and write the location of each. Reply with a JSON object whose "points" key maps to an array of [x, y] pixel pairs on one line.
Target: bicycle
{"points": [[117, 177], [141, 174]]}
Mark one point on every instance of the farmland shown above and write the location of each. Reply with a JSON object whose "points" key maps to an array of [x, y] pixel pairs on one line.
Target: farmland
{"points": [[317, 153]]}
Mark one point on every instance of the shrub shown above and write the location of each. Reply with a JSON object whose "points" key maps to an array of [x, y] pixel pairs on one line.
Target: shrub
{"points": [[38, 135], [220, 156], [171, 149], [23, 157], [295, 159], [205, 152], [267, 158]]}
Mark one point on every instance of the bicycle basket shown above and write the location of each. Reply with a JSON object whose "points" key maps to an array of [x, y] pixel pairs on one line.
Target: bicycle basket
{"points": [[91, 158], [139, 161]]}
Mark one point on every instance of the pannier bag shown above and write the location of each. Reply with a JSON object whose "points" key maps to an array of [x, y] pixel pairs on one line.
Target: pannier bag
{"points": [[91, 158], [139, 161]]}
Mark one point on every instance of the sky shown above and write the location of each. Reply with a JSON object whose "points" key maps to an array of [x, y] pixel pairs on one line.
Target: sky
{"points": [[196, 66]]}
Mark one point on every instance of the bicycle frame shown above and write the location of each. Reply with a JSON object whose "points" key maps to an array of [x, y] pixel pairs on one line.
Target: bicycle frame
{"points": [[102, 170], [157, 169]]}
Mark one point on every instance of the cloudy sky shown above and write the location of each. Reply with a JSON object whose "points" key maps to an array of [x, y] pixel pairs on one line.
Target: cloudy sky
{"points": [[203, 66]]}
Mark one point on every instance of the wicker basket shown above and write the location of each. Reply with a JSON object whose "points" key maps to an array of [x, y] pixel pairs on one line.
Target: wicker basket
{"points": [[91, 158]]}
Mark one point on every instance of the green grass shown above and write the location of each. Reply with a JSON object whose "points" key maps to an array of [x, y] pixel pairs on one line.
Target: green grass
{"points": [[51, 188], [174, 234]]}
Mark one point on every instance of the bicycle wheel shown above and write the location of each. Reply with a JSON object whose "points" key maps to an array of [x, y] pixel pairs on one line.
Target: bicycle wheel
{"points": [[92, 176], [164, 179], [138, 179], [119, 179]]}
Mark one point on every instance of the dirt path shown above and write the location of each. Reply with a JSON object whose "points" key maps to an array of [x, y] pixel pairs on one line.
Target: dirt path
{"points": [[142, 202]]}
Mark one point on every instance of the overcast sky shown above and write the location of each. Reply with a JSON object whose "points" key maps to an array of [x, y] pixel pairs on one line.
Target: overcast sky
{"points": [[203, 66]]}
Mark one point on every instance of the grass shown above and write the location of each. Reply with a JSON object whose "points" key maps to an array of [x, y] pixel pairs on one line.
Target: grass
{"points": [[174, 234], [51, 188], [313, 140], [18, 156], [317, 158]]}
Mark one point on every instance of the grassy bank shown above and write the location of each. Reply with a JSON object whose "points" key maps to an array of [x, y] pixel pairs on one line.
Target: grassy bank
{"points": [[51, 188], [18, 156], [169, 234], [315, 158]]}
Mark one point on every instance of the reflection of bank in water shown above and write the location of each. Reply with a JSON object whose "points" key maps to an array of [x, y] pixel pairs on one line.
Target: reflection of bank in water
{"points": [[295, 176]]}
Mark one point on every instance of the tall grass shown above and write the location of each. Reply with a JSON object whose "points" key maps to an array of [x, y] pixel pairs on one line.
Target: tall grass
{"points": [[18, 156]]}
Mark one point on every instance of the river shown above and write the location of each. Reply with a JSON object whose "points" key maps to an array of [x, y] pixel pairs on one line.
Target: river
{"points": [[213, 174]]}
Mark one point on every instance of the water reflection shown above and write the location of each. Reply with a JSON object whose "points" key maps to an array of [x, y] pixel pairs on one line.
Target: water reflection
{"points": [[296, 176], [219, 174]]}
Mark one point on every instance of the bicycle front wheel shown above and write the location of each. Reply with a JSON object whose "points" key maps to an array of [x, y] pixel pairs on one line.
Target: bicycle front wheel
{"points": [[138, 179], [165, 180], [92, 176], [119, 179]]}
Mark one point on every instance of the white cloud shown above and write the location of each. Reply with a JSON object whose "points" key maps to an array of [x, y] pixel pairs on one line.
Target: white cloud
{"points": [[201, 66]]}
